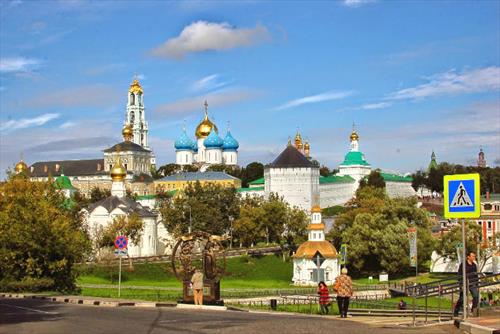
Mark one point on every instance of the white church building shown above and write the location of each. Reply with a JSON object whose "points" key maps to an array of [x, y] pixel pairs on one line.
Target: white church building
{"points": [[316, 259]]}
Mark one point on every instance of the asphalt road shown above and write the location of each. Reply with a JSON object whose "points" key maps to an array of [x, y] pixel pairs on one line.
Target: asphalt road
{"points": [[23, 316]]}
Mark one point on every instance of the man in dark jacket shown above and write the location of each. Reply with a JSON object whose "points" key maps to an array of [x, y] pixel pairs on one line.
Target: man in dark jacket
{"points": [[472, 280]]}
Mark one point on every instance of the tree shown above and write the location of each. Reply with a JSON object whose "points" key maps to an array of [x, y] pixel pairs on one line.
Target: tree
{"points": [[130, 226], [252, 172], [39, 238], [324, 171], [97, 194], [374, 179], [208, 208], [375, 228]]}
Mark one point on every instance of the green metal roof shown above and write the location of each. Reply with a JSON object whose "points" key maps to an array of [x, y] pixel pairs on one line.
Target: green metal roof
{"points": [[146, 197], [396, 178], [335, 179], [355, 158], [63, 182], [242, 190], [258, 181]]}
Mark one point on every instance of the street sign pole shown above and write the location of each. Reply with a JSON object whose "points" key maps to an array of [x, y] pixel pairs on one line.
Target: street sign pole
{"points": [[464, 274], [120, 276]]}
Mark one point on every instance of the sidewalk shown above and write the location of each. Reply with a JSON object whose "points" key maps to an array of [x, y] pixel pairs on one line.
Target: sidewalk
{"points": [[487, 323]]}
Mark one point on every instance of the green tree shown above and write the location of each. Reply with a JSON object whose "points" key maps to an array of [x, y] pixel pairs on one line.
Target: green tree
{"points": [[374, 179], [375, 228], [252, 172], [324, 171], [39, 238], [208, 208], [97, 194]]}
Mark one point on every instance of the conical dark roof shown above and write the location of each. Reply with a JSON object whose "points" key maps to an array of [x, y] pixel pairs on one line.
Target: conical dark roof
{"points": [[291, 157]]}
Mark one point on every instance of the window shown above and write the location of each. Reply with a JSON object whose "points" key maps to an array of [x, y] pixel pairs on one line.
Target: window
{"points": [[311, 276], [132, 99], [489, 224], [327, 276]]}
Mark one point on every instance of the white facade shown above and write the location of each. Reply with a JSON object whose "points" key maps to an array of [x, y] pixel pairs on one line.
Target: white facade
{"points": [[184, 157], [213, 156], [399, 189], [299, 186], [230, 158], [332, 194]]}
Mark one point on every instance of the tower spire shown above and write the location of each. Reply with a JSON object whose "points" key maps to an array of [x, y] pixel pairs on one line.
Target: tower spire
{"points": [[206, 108]]}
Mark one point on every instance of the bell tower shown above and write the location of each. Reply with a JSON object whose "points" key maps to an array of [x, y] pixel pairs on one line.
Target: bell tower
{"points": [[136, 116]]}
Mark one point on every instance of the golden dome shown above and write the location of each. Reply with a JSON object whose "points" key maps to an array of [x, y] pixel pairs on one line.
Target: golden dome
{"points": [[309, 248], [21, 167], [127, 132], [316, 209], [205, 127], [118, 172], [307, 146], [135, 87], [354, 136]]}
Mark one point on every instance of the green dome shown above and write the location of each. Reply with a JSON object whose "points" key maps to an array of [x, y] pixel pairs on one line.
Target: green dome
{"points": [[63, 182], [355, 158]]}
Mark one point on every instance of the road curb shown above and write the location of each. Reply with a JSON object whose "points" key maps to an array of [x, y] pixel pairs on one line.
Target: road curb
{"points": [[471, 328], [88, 301]]}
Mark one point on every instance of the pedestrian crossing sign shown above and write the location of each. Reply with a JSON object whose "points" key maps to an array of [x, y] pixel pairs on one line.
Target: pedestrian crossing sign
{"points": [[462, 196]]}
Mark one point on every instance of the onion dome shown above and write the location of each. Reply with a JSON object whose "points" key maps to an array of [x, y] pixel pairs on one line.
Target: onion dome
{"points": [[230, 144], [309, 249], [316, 209], [354, 136], [195, 146], [118, 172], [205, 127], [184, 142], [127, 132], [21, 167], [298, 141], [213, 140], [135, 87]]}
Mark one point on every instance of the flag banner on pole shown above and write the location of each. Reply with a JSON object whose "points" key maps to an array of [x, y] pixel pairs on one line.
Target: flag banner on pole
{"points": [[412, 237], [343, 254]]}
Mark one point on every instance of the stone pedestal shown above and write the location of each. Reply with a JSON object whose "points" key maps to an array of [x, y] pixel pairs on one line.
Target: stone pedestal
{"points": [[211, 293]]}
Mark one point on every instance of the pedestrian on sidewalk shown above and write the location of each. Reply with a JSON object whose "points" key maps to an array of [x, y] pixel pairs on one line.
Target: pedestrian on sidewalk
{"points": [[472, 283], [343, 287], [197, 285], [324, 297]]}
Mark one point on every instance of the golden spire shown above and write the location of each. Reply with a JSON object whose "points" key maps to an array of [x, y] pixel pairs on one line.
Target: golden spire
{"points": [[289, 141], [21, 166], [127, 132], [354, 134], [205, 127], [118, 172], [298, 141], [135, 87]]}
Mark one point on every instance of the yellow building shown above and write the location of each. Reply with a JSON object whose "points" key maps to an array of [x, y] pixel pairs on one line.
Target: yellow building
{"points": [[181, 180]]}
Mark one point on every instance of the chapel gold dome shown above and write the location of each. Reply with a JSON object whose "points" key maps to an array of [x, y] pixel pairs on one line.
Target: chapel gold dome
{"points": [[135, 87], [21, 167], [118, 172], [127, 132], [354, 136], [205, 127]]}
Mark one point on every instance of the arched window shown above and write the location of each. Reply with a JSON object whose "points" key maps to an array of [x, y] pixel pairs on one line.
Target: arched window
{"points": [[132, 99]]}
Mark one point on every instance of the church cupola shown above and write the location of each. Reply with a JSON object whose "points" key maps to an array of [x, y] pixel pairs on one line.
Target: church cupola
{"points": [[184, 149], [21, 167], [213, 146], [136, 114], [298, 141], [307, 149], [354, 145], [230, 149], [205, 127], [127, 132]]}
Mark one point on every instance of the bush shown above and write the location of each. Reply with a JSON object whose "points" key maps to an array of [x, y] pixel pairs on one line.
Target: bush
{"points": [[27, 284]]}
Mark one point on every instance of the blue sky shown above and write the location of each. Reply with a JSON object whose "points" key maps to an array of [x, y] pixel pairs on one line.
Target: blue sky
{"points": [[414, 76]]}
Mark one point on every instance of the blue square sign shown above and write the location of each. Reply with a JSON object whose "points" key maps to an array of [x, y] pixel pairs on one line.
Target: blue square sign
{"points": [[462, 196]]}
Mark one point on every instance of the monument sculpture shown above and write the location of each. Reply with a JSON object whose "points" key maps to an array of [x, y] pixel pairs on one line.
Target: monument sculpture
{"points": [[200, 250]]}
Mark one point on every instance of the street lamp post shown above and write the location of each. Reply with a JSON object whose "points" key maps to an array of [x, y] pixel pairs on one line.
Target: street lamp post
{"points": [[231, 232]]}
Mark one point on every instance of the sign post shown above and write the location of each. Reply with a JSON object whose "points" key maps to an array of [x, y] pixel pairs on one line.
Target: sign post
{"points": [[462, 200], [412, 237], [121, 243]]}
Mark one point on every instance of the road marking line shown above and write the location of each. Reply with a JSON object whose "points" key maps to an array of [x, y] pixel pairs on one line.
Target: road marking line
{"points": [[30, 309]]}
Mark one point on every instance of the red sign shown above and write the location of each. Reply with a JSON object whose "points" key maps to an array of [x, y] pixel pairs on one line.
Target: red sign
{"points": [[121, 242]]}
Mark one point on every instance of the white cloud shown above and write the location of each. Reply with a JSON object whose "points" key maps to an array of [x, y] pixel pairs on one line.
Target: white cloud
{"points": [[18, 64], [451, 82], [83, 96], [67, 125], [328, 96], [27, 122], [372, 106], [203, 36], [356, 3], [209, 82], [214, 100]]}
